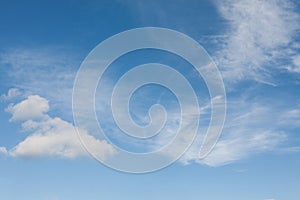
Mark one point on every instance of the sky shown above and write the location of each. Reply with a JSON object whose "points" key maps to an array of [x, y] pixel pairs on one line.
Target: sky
{"points": [[255, 46]]}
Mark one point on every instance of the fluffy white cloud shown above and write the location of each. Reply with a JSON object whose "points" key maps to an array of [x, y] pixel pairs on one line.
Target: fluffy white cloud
{"points": [[33, 107], [51, 136], [260, 33], [56, 137]]}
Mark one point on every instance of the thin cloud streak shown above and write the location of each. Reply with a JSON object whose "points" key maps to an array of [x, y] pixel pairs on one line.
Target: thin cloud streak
{"points": [[248, 132]]}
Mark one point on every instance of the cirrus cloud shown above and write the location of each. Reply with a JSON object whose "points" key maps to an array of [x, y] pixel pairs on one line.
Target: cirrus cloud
{"points": [[259, 35]]}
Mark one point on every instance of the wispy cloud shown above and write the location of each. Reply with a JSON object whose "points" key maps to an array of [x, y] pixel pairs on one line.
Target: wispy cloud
{"points": [[3, 150], [49, 72], [295, 66], [251, 128], [290, 118], [235, 148], [11, 94], [259, 36]]}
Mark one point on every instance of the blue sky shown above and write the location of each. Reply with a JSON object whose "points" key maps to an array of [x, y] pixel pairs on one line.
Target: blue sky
{"points": [[256, 47]]}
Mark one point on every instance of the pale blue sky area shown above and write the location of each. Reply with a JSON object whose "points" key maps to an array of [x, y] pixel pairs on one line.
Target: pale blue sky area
{"points": [[256, 46]]}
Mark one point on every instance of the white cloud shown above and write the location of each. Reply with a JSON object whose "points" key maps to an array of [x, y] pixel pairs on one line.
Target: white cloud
{"points": [[295, 67], [56, 137], [260, 33], [290, 118], [237, 145], [250, 129], [12, 93], [51, 136], [235, 148], [48, 72], [3, 151], [296, 61], [33, 107]]}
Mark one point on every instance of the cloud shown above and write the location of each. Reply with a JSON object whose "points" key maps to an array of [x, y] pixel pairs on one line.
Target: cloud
{"points": [[290, 118], [259, 35], [56, 137], [51, 136], [253, 126], [48, 71], [11, 94], [3, 150], [33, 107], [249, 130], [236, 148], [296, 61], [295, 67]]}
